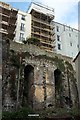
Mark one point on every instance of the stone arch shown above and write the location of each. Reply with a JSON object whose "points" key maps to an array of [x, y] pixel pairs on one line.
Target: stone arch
{"points": [[57, 74], [28, 85], [58, 87]]}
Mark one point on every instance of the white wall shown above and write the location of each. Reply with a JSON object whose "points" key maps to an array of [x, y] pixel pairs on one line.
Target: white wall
{"points": [[41, 8], [27, 26], [68, 36]]}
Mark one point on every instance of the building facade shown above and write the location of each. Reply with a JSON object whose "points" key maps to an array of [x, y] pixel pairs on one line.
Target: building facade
{"points": [[8, 16], [45, 79], [54, 36], [41, 27], [23, 26], [37, 24], [66, 40]]}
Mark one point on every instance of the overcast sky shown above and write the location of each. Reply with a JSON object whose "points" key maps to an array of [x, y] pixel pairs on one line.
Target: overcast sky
{"points": [[66, 11]]}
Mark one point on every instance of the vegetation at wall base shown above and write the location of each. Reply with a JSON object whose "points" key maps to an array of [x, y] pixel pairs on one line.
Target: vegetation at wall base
{"points": [[55, 113], [21, 114]]}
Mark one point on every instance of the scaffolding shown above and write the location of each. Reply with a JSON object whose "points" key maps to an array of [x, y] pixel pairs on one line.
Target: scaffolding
{"points": [[8, 21], [42, 27]]}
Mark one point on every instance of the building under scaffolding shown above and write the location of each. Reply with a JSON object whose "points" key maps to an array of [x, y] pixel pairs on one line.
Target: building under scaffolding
{"points": [[8, 19], [41, 27]]}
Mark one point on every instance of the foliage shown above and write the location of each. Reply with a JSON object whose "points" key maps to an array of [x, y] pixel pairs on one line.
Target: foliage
{"points": [[34, 41], [69, 66], [14, 58], [22, 113], [24, 41], [59, 63], [27, 54], [60, 112], [13, 90], [74, 112], [8, 41], [49, 112]]}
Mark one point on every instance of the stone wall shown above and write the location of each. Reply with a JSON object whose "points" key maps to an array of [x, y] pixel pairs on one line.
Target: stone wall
{"points": [[36, 80]]}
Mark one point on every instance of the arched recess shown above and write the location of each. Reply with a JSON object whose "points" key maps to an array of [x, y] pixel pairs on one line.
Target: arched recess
{"points": [[58, 87], [28, 85]]}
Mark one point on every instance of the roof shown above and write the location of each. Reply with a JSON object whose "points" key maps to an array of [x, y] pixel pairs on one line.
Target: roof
{"points": [[66, 25], [41, 5], [41, 9], [76, 56]]}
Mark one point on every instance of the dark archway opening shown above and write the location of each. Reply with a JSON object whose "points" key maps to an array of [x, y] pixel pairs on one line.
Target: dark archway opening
{"points": [[68, 101], [58, 88], [28, 86]]}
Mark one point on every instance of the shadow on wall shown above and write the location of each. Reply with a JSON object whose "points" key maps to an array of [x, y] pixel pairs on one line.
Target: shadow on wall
{"points": [[28, 91]]}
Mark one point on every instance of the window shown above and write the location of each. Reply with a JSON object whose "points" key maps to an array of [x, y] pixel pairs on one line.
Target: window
{"points": [[78, 45], [69, 34], [23, 17], [59, 46], [21, 36], [58, 38], [22, 26], [64, 27], [70, 43], [57, 28]]}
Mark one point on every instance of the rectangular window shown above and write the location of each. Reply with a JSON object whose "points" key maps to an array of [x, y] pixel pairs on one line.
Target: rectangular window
{"points": [[70, 43], [23, 17], [21, 36], [59, 46], [64, 27], [58, 38], [69, 34], [78, 45], [22, 26], [57, 28]]}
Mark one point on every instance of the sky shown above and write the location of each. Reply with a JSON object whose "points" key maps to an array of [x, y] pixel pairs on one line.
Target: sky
{"points": [[66, 11]]}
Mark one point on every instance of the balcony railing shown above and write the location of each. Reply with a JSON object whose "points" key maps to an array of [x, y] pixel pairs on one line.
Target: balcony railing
{"points": [[4, 18], [42, 34], [38, 27], [8, 12], [3, 22], [5, 11], [12, 15], [3, 31], [41, 21], [46, 48]]}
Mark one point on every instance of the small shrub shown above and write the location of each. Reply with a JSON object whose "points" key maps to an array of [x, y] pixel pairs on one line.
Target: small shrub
{"points": [[22, 113], [34, 41]]}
